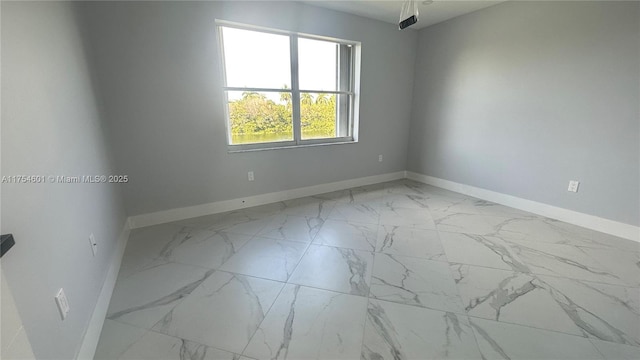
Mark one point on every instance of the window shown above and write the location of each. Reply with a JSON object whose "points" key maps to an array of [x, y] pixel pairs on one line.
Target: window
{"points": [[286, 89]]}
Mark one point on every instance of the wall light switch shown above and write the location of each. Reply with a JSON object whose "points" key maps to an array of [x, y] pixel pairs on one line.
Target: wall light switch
{"points": [[250, 176], [379, 158], [63, 304], [573, 186]]}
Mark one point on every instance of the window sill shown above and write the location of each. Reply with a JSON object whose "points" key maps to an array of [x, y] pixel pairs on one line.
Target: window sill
{"points": [[231, 149]]}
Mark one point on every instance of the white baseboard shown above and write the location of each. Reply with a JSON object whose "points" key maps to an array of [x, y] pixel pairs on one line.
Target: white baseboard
{"points": [[92, 335], [165, 216], [592, 222]]}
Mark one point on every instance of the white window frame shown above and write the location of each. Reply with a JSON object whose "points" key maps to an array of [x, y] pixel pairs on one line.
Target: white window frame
{"points": [[353, 93]]}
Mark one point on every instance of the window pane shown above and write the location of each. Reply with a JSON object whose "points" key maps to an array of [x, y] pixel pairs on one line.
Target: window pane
{"points": [[317, 64], [317, 116], [258, 117], [256, 59]]}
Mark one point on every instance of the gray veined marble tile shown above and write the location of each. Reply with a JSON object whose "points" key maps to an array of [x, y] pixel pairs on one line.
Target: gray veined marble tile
{"points": [[540, 229], [331, 196], [160, 244], [337, 269], [624, 264], [352, 235], [143, 297], [158, 346], [250, 227], [547, 283], [598, 239], [562, 260], [414, 281], [124, 342], [223, 312], [309, 206], [479, 250], [405, 187], [490, 208], [407, 201], [604, 312], [478, 224], [469, 205], [434, 190], [266, 210], [377, 187], [456, 204], [417, 218], [239, 222], [116, 338], [511, 297], [211, 252], [507, 341], [361, 195], [615, 351], [292, 228], [365, 213], [395, 331], [146, 246], [306, 323], [402, 240], [266, 258]]}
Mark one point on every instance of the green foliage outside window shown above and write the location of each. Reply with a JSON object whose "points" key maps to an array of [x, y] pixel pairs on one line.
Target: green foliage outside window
{"points": [[255, 114]]}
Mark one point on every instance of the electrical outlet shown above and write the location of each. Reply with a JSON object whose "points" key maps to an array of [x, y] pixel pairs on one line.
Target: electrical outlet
{"points": [[573, 186], [63, 304], [250, 176], [379, 158], [94, 244]]}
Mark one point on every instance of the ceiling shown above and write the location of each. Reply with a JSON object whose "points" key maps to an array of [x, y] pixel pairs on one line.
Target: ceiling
{"points": [[389, 10]]}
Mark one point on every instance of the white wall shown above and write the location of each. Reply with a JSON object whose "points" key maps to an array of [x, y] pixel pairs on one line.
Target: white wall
{"points": [[14, 343], [522, 97], [158, 68], [51, 126]]}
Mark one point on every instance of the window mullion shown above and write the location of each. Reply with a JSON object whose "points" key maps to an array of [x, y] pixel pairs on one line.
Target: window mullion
{"points": [[343, 63], [295, 88]]}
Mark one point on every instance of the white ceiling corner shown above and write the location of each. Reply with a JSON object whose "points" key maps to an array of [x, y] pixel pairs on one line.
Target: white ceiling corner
{"points": [[389, 10]]}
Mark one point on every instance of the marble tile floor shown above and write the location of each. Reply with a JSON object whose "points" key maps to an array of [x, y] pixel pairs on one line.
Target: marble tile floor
{"points": [[398, 270]]}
